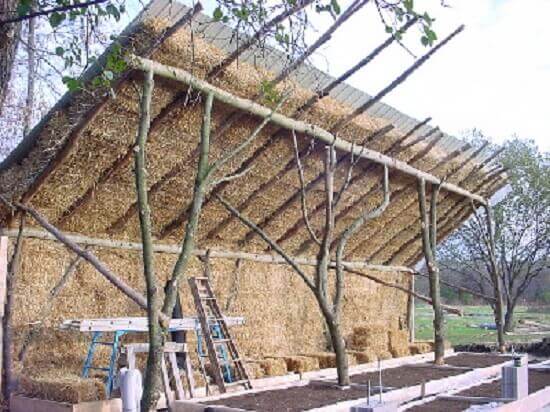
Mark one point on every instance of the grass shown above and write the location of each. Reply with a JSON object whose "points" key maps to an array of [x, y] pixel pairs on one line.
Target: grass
{"points": [[465, 330]]}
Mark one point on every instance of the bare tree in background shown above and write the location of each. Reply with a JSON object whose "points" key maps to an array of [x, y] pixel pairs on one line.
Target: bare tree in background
{"points": [[521, 231]]}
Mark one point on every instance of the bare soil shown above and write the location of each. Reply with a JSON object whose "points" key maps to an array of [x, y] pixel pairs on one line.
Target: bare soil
{"points": [[306, 397], [537, 381]]}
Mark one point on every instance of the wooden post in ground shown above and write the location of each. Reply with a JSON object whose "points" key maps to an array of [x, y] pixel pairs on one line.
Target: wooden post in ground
{"points": [[428, 227], [3, 277]]}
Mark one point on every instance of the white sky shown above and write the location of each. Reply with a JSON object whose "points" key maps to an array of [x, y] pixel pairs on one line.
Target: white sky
{"points": [[494, 76]]}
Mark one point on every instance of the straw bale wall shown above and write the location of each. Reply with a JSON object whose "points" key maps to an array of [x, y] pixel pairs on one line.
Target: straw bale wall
{"points": [[281, 314]]}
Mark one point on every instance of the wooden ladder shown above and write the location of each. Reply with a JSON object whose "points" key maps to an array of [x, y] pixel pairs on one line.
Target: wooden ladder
{"points": [[211, 319]]}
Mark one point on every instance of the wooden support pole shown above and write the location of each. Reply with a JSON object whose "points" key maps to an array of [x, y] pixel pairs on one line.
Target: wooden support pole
{"points": [[298, 126], [428, 230], [495, 277]]}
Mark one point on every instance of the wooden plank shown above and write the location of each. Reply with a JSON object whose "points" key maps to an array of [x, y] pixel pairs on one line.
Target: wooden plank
{"points": [[177, 376], [166, 384], [169, 347], [137, 324]]}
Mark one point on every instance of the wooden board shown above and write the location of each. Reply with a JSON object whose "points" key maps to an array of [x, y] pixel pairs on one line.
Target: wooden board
{"points": [[137, 324]]}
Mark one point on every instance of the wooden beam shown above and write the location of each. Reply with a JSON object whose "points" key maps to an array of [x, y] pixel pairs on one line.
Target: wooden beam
{"points": [[298, 126]]}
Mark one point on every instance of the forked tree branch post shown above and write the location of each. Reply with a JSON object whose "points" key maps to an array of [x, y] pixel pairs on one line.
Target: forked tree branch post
{"points": [[495, 276], [428, 227], [152, 379]]}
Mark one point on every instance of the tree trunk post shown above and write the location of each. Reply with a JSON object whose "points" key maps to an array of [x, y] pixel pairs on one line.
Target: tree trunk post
{"points": [[152, 380], [339, 347], [500, 322], [428, 228]]}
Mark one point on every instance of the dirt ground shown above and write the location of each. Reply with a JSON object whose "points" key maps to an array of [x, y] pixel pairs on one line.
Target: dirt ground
{"points": [[537, 381], [306, 397]]}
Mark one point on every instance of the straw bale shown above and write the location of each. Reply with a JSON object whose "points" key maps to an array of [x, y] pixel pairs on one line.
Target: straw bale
{"points": [[299, 364], [364, 356], [274, 366], [62, 386], [328, 359], [383, 355], [418, 348], [255, 369], [399, 343]]}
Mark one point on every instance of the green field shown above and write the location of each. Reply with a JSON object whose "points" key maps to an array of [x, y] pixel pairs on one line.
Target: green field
{"points": [[464, 330]]}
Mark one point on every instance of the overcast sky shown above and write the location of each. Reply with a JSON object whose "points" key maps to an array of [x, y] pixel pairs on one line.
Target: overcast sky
{"points": [[494, 76]]}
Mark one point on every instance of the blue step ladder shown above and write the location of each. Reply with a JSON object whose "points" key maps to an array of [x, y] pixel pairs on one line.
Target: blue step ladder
{"points": [[110, 370]]}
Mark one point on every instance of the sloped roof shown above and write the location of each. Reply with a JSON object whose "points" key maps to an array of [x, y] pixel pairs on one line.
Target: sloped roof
{"points": [[76, 165]]}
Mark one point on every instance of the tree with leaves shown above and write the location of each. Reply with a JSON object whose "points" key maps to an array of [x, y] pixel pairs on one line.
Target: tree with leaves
{"points": [[521, 231]]}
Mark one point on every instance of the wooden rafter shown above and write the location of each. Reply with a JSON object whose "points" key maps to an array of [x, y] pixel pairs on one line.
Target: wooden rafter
{"points": [[400, 79]]}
